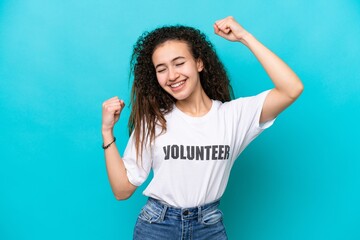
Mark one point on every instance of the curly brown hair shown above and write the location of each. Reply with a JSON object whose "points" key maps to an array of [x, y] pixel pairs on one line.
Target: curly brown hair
{"points": [[149, 102]]}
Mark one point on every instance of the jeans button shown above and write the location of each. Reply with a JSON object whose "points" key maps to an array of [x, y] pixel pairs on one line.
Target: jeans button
{"points": [[186, 212]]}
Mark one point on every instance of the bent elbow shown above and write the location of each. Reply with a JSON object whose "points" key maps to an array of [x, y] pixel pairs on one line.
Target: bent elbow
{"points": [[300, 88], [123, 195], [296, 91], [123, 191]]}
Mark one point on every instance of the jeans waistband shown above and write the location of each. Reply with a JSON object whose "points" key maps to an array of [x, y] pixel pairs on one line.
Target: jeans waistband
{"points": [[182, 213]]}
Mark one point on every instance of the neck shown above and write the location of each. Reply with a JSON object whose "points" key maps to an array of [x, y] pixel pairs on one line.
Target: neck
{"points": [[196, 105]]}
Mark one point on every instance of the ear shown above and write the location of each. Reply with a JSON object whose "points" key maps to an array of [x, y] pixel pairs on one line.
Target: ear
{"points": [[199, 65]]}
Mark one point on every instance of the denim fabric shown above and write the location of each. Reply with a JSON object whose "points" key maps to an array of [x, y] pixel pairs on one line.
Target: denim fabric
{"points": [[158, 221]]}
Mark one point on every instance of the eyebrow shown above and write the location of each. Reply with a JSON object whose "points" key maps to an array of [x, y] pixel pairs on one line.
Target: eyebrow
{"points": [[177, 58]]}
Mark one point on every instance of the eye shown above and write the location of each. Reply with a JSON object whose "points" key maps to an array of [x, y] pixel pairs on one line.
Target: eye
{"points": [[179, 64], [161, 70]]}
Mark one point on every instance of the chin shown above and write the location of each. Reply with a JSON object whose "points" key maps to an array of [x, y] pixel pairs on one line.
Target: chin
{"points": [[180, 97]]}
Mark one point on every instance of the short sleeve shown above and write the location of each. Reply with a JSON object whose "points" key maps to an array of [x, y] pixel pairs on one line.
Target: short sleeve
{"points": [[253, 108], [137, 169], [246, 113]]}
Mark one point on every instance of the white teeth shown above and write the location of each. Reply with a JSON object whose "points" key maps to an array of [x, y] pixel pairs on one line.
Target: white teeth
{"points": [[177, 84]]}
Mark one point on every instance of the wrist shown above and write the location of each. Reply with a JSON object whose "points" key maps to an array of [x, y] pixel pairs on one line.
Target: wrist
{"points": [[107, 134], [106, 146], [246, 38]]}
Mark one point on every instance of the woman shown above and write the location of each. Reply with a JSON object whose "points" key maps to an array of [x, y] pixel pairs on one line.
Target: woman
{"points": [[185, 127]]}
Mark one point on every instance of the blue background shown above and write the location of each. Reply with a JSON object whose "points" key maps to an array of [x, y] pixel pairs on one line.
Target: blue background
{"points": [[59, 60]]}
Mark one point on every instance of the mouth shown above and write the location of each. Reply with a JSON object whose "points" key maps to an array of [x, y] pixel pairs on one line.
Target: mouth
{"points": [[177, 85]]}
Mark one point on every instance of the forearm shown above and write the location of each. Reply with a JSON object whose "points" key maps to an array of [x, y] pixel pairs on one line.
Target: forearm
{"points": [[116, 170], [284, 79]]}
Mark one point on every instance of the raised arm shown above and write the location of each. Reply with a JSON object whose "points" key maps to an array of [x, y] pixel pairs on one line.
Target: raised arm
{"points": [[115, 167], [288, 86]]}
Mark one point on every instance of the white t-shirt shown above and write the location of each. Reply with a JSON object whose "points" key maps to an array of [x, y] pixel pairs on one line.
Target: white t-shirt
{"points": [[192, 160]]}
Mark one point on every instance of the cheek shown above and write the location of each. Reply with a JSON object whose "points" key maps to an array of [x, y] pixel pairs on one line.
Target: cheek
{"points": [[161, 79]]}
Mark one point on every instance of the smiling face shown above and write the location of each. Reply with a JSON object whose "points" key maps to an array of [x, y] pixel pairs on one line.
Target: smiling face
{"points": [[176, 69]]}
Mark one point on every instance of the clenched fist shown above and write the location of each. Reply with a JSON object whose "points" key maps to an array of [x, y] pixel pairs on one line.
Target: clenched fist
{"points": [[230, 29], [111, 110]]}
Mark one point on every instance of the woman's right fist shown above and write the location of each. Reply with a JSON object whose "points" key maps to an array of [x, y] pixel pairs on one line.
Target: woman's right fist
{"points": [[111, 110]]}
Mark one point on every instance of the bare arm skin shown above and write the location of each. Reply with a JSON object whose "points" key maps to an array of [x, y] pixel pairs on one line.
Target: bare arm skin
{"points": [[116, 171], [288, 86]]}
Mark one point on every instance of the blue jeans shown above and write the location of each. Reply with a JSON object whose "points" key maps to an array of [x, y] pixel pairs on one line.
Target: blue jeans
{"points": [[158, 221]]}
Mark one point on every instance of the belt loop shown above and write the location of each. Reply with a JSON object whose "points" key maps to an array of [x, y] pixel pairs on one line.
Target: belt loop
{"points": [[165, 207], [199, 214]]}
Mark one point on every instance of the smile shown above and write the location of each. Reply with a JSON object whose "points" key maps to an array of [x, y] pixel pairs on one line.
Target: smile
{"points": [[175, 85]]}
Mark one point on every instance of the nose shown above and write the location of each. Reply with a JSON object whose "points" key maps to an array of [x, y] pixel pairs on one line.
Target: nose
{"points": [[173, 74]]}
